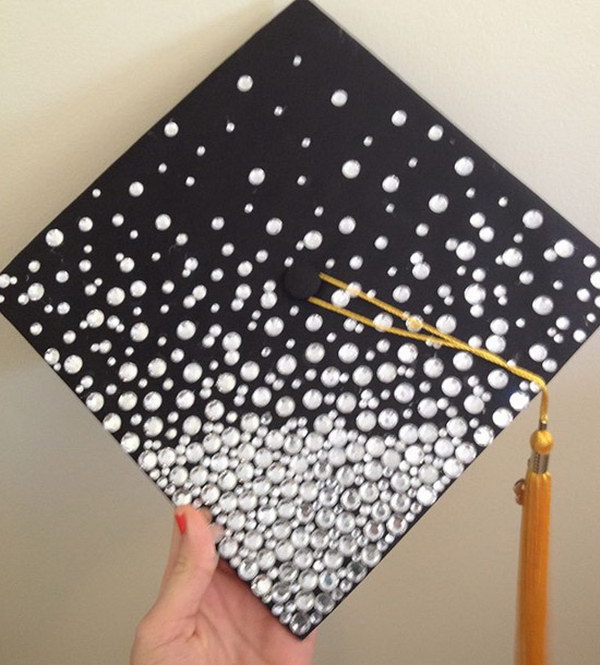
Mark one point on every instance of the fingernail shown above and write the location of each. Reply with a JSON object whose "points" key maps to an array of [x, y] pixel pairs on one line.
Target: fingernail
{"points": [[181, 522], [205, 512]]}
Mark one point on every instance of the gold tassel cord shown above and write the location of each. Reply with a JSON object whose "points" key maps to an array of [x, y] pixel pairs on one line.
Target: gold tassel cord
{"points": [[533, 561], [533, 493]]}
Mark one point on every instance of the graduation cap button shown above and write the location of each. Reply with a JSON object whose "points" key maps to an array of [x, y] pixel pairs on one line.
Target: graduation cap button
{"points": [[301, 280]]}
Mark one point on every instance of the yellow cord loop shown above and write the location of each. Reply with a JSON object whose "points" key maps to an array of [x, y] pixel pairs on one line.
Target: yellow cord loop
{"points": [[434, 335], [533, 493]]}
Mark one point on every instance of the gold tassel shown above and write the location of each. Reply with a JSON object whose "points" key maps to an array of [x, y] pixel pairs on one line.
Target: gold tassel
{"points": [[533, 494]]}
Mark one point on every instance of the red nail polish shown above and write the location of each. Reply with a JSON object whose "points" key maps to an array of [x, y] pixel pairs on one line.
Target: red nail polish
{"points": [[181, 522]]}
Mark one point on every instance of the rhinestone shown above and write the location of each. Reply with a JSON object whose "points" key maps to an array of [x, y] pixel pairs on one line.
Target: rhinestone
{"points": [[324, 603], [373, 531], [400, 503], [300, 623], [396, 525], [281, 530], [198, 475], [325, 518], [443, 448], [227, 548], [253, 540], [303, 558], [391, 459], [373, 470], [413, 455], [227, 502], [426, 496], [266, 560], [248, 570], [247, 501], [210, 494], [281, 592], [284, 551], [371, 556], [347, 545], [328, 580], [428, 474], [333, 559], [261, 585], [368, 492], [266, 515], [466, 453], [318, 539]]}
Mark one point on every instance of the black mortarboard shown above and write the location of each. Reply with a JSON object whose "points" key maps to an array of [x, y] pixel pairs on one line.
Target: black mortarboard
{"points": [[176, 297]]}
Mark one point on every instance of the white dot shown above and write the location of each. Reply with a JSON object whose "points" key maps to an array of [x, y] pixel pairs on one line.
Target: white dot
{"points": [[533, 219], [274, 226], [112, 422], [171, 129], [347, 225], [73, 364], [512, 257], [297, 60], [162, 222], [95, 318], [475, 294], [351, 169], [538, 352], [435, 132], [464, 166], [136, 188], [398, 118], [502, 417], [339, 98], [256, 176], [139, 332], [137, 288], [35, 291], [381, 242], [313, 239], [390, 183], [487, 234], [245, 83], [115, 296], [54, 237], [401, 293], [421, 270], [438, 203], [465, 250], [564, 248], [186, 330], [85, 224], [542, 305]]}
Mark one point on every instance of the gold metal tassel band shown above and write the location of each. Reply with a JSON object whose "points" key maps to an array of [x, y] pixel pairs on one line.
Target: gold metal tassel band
{"points": [[533, 492]]}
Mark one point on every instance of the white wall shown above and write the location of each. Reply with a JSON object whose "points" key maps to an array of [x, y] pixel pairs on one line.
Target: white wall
{"points": [[83, 536]]}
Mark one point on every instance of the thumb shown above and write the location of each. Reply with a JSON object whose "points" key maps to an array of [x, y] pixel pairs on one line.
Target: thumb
{"points": [[190, 571]]}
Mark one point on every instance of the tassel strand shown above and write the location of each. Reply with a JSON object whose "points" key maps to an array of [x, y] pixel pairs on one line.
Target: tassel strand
{"points": [[534, 493]]}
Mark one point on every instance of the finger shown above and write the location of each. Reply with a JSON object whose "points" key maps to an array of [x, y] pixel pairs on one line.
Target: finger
{"points": [[174, 549], [191, 572]]}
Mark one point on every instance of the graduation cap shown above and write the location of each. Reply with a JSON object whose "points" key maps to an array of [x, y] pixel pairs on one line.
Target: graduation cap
{"points": [[307, 301]]}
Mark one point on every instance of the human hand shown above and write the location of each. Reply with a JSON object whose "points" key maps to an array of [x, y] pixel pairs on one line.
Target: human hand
{"points": [[205, 615]]}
